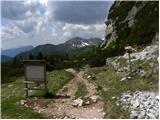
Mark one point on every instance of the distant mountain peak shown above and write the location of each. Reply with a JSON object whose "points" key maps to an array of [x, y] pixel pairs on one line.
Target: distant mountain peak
{"points": [[78, 42], [14, 51]]}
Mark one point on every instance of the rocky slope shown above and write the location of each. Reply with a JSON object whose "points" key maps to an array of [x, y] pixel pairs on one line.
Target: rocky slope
{"points": [[131, 22]]}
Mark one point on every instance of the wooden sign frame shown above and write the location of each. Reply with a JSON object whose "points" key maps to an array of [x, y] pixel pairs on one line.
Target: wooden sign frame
{"points": [[40, 63]]}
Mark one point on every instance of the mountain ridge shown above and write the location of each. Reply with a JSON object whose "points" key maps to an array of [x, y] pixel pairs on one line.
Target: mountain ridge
{"points": [[67, 47], [15, 51], [5, 58]]}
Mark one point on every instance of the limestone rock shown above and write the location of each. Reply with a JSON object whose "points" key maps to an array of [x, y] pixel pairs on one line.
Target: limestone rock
{"points": [[142, 104], [77, 102], [94, 98], [22, 102]]}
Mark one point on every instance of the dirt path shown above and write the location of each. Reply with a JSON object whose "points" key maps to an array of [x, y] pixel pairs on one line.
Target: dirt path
{"points": [[63, 108]]}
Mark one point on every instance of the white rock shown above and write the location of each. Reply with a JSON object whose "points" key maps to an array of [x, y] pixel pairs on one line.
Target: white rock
{"points": [[142, 73], [145, 104], [157, 97], [113, 97], [23, 102], [142, 115], [88, 76], [136, 104], [129, 77], [94, 98], [127, 96], [123, 79], [87, 103], [151, 116], [78, 102], [134, 114]]}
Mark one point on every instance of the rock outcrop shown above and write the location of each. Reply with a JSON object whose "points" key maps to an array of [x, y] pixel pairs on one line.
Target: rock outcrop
{"points": [[131, 22]]}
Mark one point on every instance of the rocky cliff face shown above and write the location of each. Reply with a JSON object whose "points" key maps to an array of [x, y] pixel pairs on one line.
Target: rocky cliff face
{"points": [[132, 22]]}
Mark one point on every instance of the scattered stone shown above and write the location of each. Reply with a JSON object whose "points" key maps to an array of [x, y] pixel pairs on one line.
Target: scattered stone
{"points": [[117, 104], [87, 103], [77, 102], [123, 79], [148, 53], [126, 78], [88, 76], [142, 73], [72, 117], [157, 97], [129, 77], [134, 115], [143, 105], [94, 98], [25, 105], [22, 102], [40, 111], [136, 104], [113, 97]]}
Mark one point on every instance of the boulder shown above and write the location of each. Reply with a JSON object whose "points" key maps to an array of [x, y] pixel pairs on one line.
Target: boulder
{"points": [[77, 102]]}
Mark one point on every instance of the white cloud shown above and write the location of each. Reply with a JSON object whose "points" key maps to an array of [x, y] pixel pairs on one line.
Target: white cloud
{"points": [[67, 35], [9, 34], [94, 30], [54, 33], [33, 23], [28, 14]]}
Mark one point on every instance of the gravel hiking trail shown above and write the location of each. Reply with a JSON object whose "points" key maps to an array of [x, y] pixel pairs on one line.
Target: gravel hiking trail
{"points": [[62, 108]]}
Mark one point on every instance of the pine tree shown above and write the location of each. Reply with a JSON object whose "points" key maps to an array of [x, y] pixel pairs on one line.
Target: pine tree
{"points": [[31, 56], [40, 56]]}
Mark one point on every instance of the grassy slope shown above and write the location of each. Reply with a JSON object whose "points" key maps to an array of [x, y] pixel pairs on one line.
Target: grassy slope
{"points": [[13, 92], [109, 84]]}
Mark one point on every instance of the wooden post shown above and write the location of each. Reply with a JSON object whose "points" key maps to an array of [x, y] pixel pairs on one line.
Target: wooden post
{"points": [[26, 86], [129, 50], [130, 66], [46, 88]]}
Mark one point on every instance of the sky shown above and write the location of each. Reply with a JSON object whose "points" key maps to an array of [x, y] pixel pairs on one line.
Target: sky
{"points": [[36, 22]]}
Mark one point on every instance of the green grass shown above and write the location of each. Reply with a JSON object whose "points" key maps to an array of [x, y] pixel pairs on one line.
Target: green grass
{"points": [[81, 90], [57, 80], [13, 92], [10, 109], [111, 86]]}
